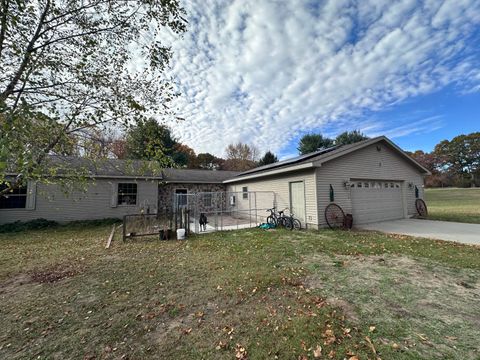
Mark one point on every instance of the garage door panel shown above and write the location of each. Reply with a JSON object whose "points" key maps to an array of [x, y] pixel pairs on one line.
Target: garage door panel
{"points": [[376, 201]]}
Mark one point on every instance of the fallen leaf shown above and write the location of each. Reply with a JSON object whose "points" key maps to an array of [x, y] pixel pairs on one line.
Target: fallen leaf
{"points": [[317, 352], [372, 328], [240, 352]]}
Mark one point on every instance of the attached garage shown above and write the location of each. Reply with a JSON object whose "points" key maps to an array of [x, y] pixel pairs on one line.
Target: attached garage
{"points": [[374, 180], [376, 200]]}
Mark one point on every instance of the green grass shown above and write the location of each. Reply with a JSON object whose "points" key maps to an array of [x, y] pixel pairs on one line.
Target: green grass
{"points": [[454, 204], [273, 293]]}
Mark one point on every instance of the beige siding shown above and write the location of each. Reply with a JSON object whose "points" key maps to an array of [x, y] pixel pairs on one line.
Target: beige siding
{"points": [[366, 163], [96, 203], [280, 185]]}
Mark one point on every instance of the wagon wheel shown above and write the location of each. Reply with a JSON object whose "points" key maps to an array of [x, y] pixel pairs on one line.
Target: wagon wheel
{"points": [[334, 216], [421, 207]]}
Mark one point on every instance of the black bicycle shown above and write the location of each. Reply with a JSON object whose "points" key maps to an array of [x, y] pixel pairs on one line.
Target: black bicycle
{"points": [[280, 219], [273, 218]]}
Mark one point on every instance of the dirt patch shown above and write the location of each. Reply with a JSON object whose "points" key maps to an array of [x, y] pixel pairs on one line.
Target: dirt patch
{"points": [[46, 276], [388, 289], [14, 283], [347, 309], [54, 274]]}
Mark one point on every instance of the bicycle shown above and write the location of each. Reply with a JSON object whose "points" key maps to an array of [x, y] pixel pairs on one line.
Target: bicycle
{"points": [[273, 219], [280, 219], [291, 223]]}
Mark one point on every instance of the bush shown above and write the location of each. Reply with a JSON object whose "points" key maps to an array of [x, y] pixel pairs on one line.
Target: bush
{"points": [[96, 222], [37, 224], [18, 226]]}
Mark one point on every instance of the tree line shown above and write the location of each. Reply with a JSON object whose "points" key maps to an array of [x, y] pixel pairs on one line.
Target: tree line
{"points": [[453, 162], [150, 140]]}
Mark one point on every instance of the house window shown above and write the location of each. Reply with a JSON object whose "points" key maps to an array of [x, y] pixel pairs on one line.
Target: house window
{"points": [[207, 200], [245, 192], [15, 199], [366, 184], [127, 194], [359, 185], [181, 196]]}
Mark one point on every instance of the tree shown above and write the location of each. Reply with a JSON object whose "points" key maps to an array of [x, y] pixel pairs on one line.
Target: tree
{"points": [[268, 158], [461, 155], [119, 148], [184, 156], [67, 66], [208, 161], [350, 137], [240, 157], [313, 142], [149, 140]]}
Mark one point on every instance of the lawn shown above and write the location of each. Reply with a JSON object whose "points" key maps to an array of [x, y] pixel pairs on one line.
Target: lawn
{"points": [[454, 204], [246, 294]]}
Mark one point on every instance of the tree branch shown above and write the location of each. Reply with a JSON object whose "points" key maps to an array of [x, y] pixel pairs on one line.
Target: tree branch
{"points": [[3, 24], [27, 56]]}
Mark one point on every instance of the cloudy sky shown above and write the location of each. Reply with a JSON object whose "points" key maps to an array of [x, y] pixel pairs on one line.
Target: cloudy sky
{"points": [[265, 72]]}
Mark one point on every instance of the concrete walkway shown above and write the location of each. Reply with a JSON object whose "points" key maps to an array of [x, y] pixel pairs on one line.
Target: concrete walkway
{"points": [[442, 230]]}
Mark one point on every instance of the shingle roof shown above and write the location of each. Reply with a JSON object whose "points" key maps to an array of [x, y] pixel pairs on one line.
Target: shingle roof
{"points": [[140, 169], [197, 176], [288, 162], [319, 156]]}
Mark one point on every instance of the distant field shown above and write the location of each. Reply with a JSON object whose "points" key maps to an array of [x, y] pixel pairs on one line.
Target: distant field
{"points": [[454, 204]]}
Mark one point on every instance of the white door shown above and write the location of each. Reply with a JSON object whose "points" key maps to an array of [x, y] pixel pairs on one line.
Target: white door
{"points": [[375, 200], [297, 200]]}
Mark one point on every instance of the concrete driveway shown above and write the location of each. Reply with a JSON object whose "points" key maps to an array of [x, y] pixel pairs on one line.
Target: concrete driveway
{"points": [[442, 230]]}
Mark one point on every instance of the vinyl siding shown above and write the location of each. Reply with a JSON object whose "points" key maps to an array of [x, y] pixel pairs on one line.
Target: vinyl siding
{"points": [[366, 163], [96, 203], [280, 185]]}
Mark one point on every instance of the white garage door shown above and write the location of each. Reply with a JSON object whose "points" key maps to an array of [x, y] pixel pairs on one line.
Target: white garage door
{"points": [[376, 201]]}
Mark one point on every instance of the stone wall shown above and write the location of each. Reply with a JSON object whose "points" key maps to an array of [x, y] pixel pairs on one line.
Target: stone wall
{"points": [[166, 195]]}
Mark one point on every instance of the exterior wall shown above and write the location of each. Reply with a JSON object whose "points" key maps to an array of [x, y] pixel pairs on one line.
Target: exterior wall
{"points": [[366, 163], [280, 185], [98, 202], [166, 192]]}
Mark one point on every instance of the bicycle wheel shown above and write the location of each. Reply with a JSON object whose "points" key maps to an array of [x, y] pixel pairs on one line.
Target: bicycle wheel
{"points": [[271, 220], [297, 225], [334, 216], [287, 222]]}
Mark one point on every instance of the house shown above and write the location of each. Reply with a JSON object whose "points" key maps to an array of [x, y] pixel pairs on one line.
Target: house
{"points": [[113, 188], [373, 179]]}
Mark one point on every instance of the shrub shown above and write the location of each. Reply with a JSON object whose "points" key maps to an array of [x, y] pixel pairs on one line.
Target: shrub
{"points": [[18, 226]]}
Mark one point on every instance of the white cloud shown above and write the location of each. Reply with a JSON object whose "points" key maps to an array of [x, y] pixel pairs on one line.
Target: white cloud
{"points": [[264, 71]]}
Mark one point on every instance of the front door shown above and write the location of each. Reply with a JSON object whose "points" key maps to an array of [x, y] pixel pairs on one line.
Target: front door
{"points": [[297, 200]]}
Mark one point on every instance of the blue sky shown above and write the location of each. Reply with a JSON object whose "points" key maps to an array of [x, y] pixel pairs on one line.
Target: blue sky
{"points": [[267, 72]]}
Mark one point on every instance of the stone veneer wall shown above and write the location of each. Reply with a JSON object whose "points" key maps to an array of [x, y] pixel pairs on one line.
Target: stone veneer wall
{"points": [[166, 191]]}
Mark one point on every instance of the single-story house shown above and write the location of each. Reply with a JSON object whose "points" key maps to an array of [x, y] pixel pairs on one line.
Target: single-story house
{"points": [[113, 188], [373, 179]]}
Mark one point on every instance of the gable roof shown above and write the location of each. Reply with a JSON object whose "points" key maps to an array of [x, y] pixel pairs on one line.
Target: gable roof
{"points": [[319, 157], [132, 169]]}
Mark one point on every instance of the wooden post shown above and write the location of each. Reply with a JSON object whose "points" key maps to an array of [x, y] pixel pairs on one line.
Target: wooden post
{"points": [[109, 241]]}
